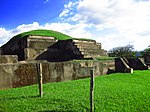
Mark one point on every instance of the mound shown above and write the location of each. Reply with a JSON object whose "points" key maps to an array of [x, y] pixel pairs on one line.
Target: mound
{"points": [[36, 43], [41, 32]]}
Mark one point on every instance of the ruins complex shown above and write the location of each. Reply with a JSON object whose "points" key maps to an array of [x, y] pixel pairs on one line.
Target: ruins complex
{"points": [[33, 45], [55, 52], [58, 57]]}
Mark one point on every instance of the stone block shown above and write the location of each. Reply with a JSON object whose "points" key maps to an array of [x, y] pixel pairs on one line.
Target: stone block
{"points": [[7, 75], [25, 74], [8, 59], [122, 66], [147, 59], [0, 50], [39, 42], [136, 64]]}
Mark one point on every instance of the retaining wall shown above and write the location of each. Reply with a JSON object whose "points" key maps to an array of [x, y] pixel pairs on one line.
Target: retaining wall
{"points": [[122, 66], [137, 64], [128, 65], [147, 59], [24, 74]]}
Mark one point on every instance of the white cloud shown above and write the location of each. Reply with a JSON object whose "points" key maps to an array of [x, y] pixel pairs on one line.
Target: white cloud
{"points": [[27, 27], [7, 34], [77, 30], [127, 19], [68, 10], [3, 32], [4, 35], [46, 1]]}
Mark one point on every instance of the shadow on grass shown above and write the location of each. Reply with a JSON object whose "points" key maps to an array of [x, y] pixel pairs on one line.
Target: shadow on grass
{"points": [[20, 97], [60, 105], [53, 104], [57, 111]]}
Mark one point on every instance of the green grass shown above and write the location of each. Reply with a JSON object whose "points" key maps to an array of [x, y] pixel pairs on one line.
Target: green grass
{"points": [[113, 93], [40, 32], [104, 58]]}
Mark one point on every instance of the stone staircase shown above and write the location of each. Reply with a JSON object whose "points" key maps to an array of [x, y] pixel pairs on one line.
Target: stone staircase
{"points": [[87, 48], [90, 48], [30, 47]]}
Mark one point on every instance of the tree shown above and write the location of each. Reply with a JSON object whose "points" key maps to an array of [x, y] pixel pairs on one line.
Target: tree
{"points": [[124, 51], [145, 51]]}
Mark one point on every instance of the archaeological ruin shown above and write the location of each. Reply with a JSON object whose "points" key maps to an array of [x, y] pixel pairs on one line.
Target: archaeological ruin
{"points": [[60, 56], [56, 52], [28, 46]]}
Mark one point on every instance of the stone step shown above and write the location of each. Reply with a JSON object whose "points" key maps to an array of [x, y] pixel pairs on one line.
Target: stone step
{"points": [[40, 45], [90, 53], [89, 47], [91, 50], [84, 41], [90, 56], [85, 44]]}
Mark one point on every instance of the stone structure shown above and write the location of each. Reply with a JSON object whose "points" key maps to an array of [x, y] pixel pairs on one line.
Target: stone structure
{"points": [[122, 66], [50, 49], [6, 59], [128, 65], [24, 74], [62, 50], [60, 58], [21, 55], [147, 59], [136, 64], [90, 48]]}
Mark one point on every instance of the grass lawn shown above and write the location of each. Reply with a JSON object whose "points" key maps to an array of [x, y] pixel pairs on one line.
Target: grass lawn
{"points": [[104, 58], [113, 93], [41, 32]]}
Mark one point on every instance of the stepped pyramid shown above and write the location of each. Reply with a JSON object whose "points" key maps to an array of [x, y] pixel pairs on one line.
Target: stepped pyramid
{"points": [[51, 46]]}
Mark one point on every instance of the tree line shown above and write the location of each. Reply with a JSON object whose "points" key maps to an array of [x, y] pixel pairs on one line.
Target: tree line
{"points": [[128, 51]]}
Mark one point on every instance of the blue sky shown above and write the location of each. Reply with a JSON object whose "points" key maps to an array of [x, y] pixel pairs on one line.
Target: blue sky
{"points": [[17, 12], [111, 22]]}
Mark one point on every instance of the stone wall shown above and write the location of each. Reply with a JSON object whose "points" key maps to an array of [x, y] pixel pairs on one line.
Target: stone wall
{"points": [[122, 66], [136, 64], [0, 50], [62, 50], [36, 45], [24, 74], [8, 59], [128, 65], [147, 59]]}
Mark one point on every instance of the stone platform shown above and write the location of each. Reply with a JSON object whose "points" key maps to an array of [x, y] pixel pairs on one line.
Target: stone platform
{"points": [[23, 73], [36, 47]]}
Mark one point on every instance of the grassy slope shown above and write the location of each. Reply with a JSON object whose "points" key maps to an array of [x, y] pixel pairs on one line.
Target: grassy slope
{"points": [[113, 93], [42, 32], [57, 35]]}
